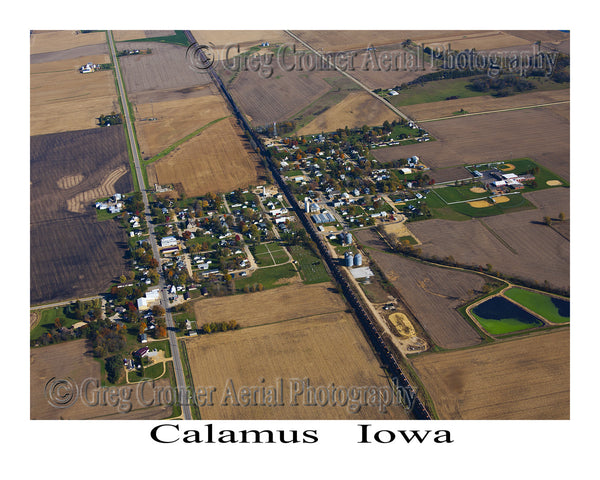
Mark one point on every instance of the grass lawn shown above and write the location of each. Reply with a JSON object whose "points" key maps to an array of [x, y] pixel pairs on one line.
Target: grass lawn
{"points": [[46, 322], [269, 277], [553, 309], [311, 268], [459, 194], [150, 372]]}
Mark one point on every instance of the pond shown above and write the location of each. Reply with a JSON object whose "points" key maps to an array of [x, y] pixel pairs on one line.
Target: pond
{"points": [[498, 316], [553, 309]]}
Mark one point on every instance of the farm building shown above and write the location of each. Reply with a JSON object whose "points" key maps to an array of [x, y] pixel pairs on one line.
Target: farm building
{"points": [[324, 217], [361, 272]]}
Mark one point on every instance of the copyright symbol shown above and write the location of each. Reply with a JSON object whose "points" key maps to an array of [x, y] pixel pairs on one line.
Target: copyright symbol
{"points": [[61, 392], [200, 57]]}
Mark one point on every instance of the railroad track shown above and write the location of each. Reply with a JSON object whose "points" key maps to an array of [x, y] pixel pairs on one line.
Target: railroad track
{"points": [[368, 324]]}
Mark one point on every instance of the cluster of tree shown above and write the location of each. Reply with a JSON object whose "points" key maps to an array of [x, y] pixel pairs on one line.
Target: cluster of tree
{"points": [[112, 119], [257, 287], [106, 337], [135, 203], [56, 335], [114, 368], [501, 86], [213, 327]]}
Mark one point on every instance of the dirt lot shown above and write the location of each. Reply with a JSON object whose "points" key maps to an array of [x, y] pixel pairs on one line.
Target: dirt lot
{"points": [[486, 103], [522, 379], [271, 306], [166, 68], [538, 133], [324, 349], [71, 253], [52, 41], [519, 245], [62, 99], [218, 159], [431, 293], [174, 120], [356, 110], [71, 360]]}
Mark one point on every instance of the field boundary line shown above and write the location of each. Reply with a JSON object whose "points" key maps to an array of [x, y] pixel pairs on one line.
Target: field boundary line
{"points": [[360, 84], [524, 107], [181, 141], [497, 236]]}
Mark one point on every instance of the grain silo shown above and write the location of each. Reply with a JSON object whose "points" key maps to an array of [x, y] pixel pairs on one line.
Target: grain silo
{"points": [[348, 259], [349, 238], [357, 260]]}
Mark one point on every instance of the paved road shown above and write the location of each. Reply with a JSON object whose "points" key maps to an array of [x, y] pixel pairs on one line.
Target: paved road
{"points": [[64, 302], [177, 367]]}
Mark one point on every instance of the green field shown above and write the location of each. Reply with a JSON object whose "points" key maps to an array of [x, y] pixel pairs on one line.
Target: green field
{"points": [[267, 254], [499, 316], [551, 308], [268, 277], [311, 268], [459, 194]]}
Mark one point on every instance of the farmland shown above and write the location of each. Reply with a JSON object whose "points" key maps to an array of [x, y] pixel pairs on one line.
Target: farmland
{"points": [[279, 97], [432, 293], [521, 379], [73, 361], [285, 303], [219, 159], [52, 41], [324, 349], [71, 253], [63, 99], [516, 244], [166, 68], [538, 133], [355, 110], [174, 120]]}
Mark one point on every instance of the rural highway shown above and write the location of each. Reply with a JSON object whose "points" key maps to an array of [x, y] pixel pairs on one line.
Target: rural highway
{"points": [[177, 367], [360, 84]]}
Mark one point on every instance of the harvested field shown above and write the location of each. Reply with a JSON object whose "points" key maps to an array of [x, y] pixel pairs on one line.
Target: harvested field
{"points": [[72, 360], [219, 159], [522, 379], [356, 110], [324, 349], [284, 303], [42, 42], [281, 96], [71, 253], [342, 40], [175, 119], [537, 133], [75, 52], [166, 68], [62, 99], [221, 39], [514, 243], [485, 103], [432, 293]]}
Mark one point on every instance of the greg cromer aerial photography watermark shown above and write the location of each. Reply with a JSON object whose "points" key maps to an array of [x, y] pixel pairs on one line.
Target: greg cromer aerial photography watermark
{"points": [[288, 57], [65, 392]]}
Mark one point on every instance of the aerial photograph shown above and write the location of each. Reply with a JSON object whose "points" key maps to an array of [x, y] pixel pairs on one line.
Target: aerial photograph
{"points": [[299, 225]]}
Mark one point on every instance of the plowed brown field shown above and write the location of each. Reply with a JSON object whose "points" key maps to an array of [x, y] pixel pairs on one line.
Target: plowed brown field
{"points": [[521, 379]]}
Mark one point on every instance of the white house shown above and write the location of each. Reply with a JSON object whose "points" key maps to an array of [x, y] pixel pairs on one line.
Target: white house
{"points": [[168, 242]]}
